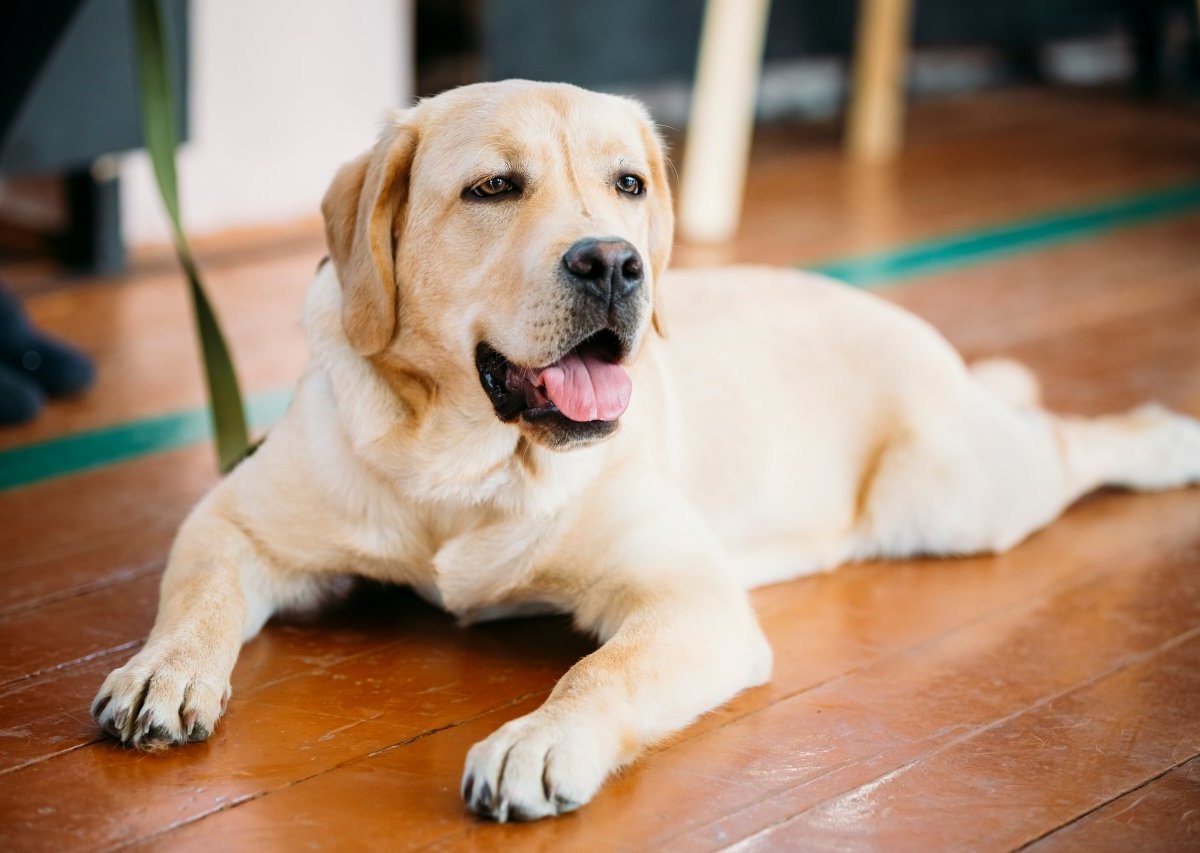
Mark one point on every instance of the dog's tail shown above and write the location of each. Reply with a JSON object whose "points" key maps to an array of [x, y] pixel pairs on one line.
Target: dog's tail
{"points": [[1010, 381]]}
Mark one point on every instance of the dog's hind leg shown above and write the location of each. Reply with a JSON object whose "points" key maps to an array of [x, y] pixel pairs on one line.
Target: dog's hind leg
{"points": [[979, 475], [1009, 381], [1147, 449]]}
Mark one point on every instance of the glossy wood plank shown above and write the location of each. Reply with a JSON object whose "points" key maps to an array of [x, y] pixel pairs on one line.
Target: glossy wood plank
{"points": [[47, 716], [852, 729], [113, 801], [366, 805], [770, 753], [958, 686], [992, 789], [289, 727], [1011, 300], [66, 536], [1163, 815], [827, 626], [46, 713], [74, 629]]}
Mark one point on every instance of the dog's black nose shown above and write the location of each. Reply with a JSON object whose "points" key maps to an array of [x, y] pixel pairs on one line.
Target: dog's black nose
{"points": [[608, 268]]}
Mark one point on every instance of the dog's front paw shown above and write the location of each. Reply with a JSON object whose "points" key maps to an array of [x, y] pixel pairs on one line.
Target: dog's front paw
{"points": [[536, 766], [167, 694]]}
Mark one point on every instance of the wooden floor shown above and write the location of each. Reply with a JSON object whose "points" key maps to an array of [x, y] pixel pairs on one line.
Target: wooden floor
{"points": [[1047, 698]]}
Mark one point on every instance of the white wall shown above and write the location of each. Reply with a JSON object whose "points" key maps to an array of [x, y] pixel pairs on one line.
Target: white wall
{"points": [[282, 92]]}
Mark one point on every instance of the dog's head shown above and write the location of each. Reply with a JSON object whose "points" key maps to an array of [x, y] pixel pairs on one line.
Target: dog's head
{"points": [[503, 243]]}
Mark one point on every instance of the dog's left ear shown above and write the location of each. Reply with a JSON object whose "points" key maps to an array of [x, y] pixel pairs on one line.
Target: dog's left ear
{"points": [[364, 218], [662, 212]]}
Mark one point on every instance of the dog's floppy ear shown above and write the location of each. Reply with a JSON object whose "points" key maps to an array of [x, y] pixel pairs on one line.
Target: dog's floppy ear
{"points": [[364, 217], [662, 213]]}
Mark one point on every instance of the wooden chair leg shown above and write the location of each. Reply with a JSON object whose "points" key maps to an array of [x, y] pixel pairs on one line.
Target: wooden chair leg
{"points": [[876, 120], [722, 119]]}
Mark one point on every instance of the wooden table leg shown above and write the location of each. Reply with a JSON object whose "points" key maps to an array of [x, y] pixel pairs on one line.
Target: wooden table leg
{"points": [[876, 120], [722, 119]]}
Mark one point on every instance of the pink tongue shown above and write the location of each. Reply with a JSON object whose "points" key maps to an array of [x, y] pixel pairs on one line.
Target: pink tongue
{"points": [[586, 388]]}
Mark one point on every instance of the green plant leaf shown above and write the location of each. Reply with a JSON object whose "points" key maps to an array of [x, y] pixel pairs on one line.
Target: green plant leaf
{"points": [[158, 125]]}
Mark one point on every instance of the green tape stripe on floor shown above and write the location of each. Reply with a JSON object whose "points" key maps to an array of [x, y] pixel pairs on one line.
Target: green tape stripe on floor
{"points": [[109, 445], [97, 448], [1026, 235]]}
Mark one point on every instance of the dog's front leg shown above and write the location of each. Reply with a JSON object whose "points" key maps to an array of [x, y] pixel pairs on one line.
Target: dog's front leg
{"points": [[677, 649], [216, 591]]}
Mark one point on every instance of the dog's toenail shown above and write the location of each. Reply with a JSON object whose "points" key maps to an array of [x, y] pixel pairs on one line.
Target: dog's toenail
{"points": [[565, 804], [142, 725]]}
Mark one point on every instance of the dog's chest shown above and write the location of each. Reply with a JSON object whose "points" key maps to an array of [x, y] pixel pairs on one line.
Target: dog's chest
{"points": [[481, 573], [481, 612], [473, 558]]}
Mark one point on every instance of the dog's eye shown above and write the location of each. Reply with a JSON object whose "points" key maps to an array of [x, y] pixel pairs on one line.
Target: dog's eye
{"points": [[493, 187], [631, 184]]}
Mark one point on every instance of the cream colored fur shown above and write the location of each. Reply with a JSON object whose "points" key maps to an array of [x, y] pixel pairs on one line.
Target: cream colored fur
{"points": [[784, 425]]}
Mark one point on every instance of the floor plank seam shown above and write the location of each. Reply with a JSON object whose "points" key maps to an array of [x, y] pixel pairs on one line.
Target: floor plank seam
{"points": [[1048, 591], [1126, 663], [345, 763], [322, 669], [31, 762], [121, 576], [91, 656], [100, 739], [1084, 814], [1022, 332], [249, 696], [507, 704]]}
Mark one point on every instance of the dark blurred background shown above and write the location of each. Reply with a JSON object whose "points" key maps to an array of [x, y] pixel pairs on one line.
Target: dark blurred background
{"points": [[642, 44]]}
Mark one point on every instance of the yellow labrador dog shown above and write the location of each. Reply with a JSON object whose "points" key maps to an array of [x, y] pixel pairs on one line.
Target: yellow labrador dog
{"points": [[512, 406]]}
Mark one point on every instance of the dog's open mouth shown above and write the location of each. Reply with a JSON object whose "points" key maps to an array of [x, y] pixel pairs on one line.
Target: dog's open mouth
{"points": [[587, 384]]}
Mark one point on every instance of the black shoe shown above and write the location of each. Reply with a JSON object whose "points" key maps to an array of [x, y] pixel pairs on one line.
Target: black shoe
{"points": [[58, 368], [20, 398]]}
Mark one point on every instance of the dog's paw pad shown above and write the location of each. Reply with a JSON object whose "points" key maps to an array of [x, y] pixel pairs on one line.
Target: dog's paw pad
{"points": [[535, 767], [160, 698]]}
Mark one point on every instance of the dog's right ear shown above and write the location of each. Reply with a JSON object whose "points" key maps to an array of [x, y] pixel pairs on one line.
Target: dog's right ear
{"points": [[364, 218]]}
